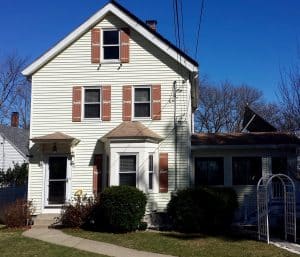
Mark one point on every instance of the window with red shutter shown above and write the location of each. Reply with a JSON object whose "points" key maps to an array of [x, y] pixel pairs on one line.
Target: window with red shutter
{"points": [[156, 102], [97, 174], [127, 103], [76, 104], [106, 103], [95, 45], [163, 173]]}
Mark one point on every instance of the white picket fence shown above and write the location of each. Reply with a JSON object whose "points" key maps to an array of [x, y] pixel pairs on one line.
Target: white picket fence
{"points": [[9, 195]]}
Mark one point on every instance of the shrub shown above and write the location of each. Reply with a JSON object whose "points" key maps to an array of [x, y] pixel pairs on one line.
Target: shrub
{"points": [[77, 213], [120, 209], [203, 209], [16, 176], [18, 214]]}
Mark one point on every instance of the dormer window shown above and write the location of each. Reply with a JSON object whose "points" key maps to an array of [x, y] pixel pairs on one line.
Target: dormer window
{"points": [[111, 45]]}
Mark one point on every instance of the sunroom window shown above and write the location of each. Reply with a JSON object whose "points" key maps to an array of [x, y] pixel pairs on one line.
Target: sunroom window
{"points": [[142, 102], [111, 45], [92, 102], [128, 170], [150, 171]]}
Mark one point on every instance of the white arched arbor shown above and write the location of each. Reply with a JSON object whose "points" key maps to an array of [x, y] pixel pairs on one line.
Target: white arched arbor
{"points": [[264, 199]]}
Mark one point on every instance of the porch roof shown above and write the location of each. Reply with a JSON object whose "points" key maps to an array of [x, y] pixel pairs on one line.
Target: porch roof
{"points": [[253, 138], [131, 130], [56, 137]]}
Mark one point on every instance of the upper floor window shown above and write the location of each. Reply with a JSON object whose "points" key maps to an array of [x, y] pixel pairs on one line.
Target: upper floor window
{"points": [[111, 45], [92, 103], [142, 102]]}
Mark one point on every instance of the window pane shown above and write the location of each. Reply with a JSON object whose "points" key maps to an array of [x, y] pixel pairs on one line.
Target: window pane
{"points": [[57, 192], [209, 171], [279, 165], [111, 37], [150, 162], [57, 167], [127, 163], [111, 52], [246, 170], [142, 94], [92, 95], [92, 111], [128, 179], [142, 110], [150, 181]]}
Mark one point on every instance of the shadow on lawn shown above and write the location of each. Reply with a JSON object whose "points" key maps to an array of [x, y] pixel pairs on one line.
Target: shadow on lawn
{"points": [[229, 236]]}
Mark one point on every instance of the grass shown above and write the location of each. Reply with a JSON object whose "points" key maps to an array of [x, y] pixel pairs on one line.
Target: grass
{"points": [[186, 245], [12, 244]]}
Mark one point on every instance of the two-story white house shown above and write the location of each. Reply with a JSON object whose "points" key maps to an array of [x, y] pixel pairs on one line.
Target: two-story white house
{"points": [[112, 104]]}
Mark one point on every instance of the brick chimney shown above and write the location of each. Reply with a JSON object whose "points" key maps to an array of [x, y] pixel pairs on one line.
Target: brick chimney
{"points": [[15, 119], [152, 24]]}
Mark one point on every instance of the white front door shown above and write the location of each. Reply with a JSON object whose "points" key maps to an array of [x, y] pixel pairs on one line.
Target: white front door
{"points": [[57, 183]]}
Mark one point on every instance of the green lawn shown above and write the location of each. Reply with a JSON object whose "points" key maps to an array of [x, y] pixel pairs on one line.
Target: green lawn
{"points": [[13, 244], [186, 245]]}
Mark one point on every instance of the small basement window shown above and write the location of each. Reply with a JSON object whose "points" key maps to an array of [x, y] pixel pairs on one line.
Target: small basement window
{"points": [[246, 170], [142, 102], [111, 45], [209, 171], [92, 103], [128, 170]]}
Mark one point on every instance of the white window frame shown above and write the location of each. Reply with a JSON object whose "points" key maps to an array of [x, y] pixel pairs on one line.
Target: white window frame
{"points": [[151, 172], [102, 46], [83, 102], [130, 172], [133, 103]]}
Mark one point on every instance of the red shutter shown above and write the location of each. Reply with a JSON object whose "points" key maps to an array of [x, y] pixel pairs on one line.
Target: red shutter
{"points": [[156, 102], [163, 173], [125, 33], [95, 38], [106, 103], [127, 103], [76, 104], [97, 174]]}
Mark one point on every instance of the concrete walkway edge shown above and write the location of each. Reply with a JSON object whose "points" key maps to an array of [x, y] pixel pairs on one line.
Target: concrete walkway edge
{"points": [[291, 247], [57, 237]]}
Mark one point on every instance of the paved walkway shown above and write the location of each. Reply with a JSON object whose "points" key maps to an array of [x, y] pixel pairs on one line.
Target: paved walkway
{"points": [[55, 236], [291, 247]]}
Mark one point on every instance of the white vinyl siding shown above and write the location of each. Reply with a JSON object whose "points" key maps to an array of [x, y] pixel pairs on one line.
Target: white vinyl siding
{"points": [[52, 107], [9, 155]]}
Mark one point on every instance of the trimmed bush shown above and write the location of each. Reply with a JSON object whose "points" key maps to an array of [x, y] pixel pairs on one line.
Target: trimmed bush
{"points": [[18, 214], [204, 209], [120, 209], [77, 214]]}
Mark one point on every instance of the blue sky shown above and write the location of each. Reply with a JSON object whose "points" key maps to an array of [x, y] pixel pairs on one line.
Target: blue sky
{"points": [[244, 41]]}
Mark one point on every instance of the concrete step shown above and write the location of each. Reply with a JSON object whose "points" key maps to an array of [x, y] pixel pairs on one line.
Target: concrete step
{"points": [[45, 220]]}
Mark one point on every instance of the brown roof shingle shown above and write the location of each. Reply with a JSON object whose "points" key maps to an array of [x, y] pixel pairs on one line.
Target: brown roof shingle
{"points": [[56, 136], [132, 130], [254, 138]]}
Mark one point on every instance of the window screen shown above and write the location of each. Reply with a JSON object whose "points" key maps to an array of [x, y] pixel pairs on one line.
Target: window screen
{"points": [[111, 48], [92, 103], [128, 170], [246, 170], [209, 171], [142, 102]]}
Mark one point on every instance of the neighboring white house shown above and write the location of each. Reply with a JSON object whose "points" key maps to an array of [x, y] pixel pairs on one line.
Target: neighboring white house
{"points": [[14, 143], [111, 104]]}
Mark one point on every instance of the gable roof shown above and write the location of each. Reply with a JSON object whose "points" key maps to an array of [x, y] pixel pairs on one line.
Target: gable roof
{"points": [[253, 122], [131, 130], [254, 138], [17, 137], [127, 17]]}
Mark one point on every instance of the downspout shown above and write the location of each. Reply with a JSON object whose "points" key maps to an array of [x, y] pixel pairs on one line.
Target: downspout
{"points": [[175, 132]]}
